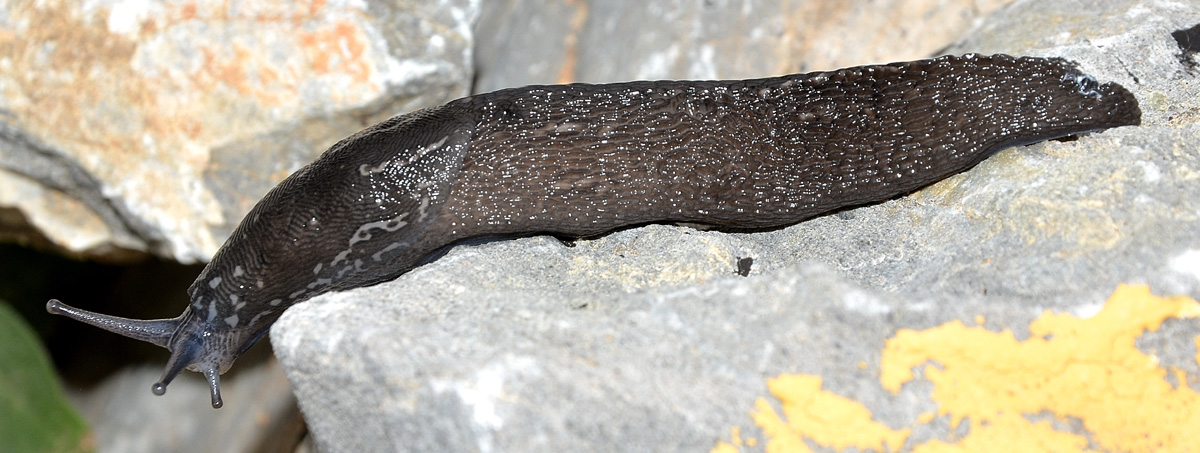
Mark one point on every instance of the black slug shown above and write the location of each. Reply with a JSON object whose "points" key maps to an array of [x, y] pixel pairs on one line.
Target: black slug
{"points": [[580, 160]]}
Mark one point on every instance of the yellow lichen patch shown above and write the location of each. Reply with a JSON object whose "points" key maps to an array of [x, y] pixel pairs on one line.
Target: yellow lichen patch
{"points": [[735, 441], [926, 417], [1086, 370], [1089, 369], [827, 419], [724, 447], [1009, 433]]}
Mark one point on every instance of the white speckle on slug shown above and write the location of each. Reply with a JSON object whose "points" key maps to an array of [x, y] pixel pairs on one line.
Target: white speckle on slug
{"points": [[232, 320], [214, 282], [237, 271]]}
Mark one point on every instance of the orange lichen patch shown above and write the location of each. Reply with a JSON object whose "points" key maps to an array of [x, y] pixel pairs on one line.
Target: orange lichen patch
{"points": [[231, 72], [1085, 369], [314, 6], [338, 49], [247, 72], [295, 12], [57, 61], [827, 419], [70, 74], [96, 92], [566, 73], [187, 11]]}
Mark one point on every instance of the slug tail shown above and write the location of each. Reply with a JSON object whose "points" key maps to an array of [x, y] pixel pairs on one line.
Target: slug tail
{"points": [[156, 331]]}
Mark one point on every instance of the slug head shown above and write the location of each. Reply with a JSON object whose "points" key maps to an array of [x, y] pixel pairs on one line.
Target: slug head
{"points": [[314, 220], [194, 345], [1035, 99]]}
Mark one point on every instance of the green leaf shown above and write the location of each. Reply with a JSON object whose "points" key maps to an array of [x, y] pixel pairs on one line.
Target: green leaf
{"points": [[34, 414]]}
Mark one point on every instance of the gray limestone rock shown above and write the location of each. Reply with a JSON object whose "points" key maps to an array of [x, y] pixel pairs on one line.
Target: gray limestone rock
{"points": [[537, 42], [126, 417], [647, 339]]}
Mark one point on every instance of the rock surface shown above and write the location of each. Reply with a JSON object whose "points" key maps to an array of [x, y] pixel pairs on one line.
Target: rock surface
{"points": [[646, 339], [530, 42], [133, 127], [260, 413]]}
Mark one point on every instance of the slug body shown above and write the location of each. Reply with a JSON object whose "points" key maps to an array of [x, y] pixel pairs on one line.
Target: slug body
{"points": [[580, 160]]}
